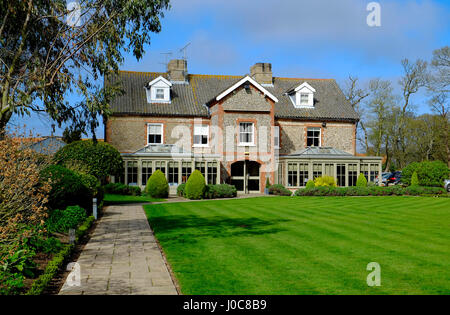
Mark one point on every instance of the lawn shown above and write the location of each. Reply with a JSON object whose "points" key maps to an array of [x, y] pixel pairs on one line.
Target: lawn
{"points": [[112, 199], [306, 245]]}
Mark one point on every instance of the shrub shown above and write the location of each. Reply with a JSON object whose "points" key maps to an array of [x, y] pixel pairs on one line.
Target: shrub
{"points": [[195, 186], [325, 180], [361, 181], [414, 179], [310, 184], [93, 184], [180, 189], [63, 220], [122, 189], [220, 191], [280, 190], [99, 159], [23, 196], [157, 186], [428, 173], [67, 188], [370, 191]]}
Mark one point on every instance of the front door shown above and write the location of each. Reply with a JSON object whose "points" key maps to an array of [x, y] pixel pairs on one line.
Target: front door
{"points": [[245, 176]]}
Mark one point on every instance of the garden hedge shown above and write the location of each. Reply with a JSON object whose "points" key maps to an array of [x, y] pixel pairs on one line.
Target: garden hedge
{"points": [[220, 191], [63, 220], [280, 190], [428, 173], [195, 186], [371, 191], [157, 186], [67, 188], [122, 189], [99, 159], [325, 180]]}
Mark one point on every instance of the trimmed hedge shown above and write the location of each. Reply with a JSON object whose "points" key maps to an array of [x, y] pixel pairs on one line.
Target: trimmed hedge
{"points": [[67, 188], [195, 186], [122, 189], [157, 186], [63, 220], [428, 173], [371, 191], [414, 179], [99, 159], [280, 190], [41, 283], [220, 191]]}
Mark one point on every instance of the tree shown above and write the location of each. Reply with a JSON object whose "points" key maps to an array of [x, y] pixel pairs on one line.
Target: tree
{"points": [[44, 54], [413, 79], [439, 87], [380, 106], [355, 95]]}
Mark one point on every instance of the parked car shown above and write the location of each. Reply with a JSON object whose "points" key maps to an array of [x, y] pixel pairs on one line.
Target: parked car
{"points": [[384, 177], [447, 185], [394, 178]]}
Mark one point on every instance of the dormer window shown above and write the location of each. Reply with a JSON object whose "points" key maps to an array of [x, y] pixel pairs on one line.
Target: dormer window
{"points": [[303, 96], [304, 99], [158, 91], [159, 94]]}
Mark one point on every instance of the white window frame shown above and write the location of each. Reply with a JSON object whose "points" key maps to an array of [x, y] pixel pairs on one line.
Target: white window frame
{"points": [[320, 135], [160, 94], [276, 137], [303, 101], [162, 132], [206, 133], [252, 143]]}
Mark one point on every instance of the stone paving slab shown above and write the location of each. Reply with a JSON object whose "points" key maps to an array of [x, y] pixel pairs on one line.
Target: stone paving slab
{"points": [[122, 257]]}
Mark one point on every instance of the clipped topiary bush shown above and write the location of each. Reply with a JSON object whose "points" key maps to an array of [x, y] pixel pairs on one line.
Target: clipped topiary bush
{"points": [[414, 179], [361, 181], [428, 173], [310, 184], [324, 181], [195, 186], [99, 159], [267, 183], [157, 186], [67, 188]]}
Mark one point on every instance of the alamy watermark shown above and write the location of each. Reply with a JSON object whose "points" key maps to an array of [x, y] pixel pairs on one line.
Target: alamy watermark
{"points": [[374, 17], [74, 277], [374, 277]]}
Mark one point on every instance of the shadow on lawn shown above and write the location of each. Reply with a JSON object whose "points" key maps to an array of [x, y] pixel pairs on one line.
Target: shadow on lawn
{"points": [[189, 227]]}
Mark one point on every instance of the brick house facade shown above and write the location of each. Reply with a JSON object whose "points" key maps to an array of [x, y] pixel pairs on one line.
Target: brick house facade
{"points": [[234, 129]]}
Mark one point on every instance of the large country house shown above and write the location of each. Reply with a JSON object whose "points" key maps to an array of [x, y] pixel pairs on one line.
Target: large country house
{"points": [[235, 129]]}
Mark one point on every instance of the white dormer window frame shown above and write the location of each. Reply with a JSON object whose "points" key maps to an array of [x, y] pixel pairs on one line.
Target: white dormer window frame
{"points": [[158, 91], [304, 96]]}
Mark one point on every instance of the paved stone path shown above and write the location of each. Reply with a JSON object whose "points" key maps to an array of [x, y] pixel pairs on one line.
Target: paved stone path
{"points": [[122, 257]]}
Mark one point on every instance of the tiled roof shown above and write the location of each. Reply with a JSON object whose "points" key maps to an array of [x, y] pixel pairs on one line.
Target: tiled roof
{"points": [[190, 99]]}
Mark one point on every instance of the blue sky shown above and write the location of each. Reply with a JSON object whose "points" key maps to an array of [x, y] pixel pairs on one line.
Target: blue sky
{"points": [[301, 38]]}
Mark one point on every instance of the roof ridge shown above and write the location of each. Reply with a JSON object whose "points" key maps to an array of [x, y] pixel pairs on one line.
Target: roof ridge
{"points": [[223, 75], [296, 79]]}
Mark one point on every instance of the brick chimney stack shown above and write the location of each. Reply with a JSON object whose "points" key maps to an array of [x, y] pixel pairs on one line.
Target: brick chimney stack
{"points": [[177, 70], [262, 73]]}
